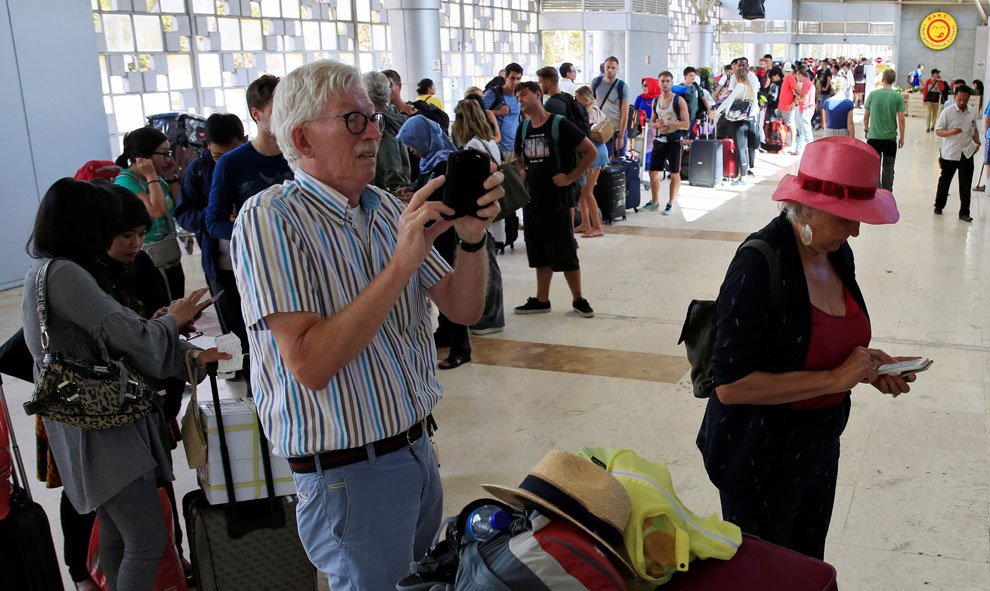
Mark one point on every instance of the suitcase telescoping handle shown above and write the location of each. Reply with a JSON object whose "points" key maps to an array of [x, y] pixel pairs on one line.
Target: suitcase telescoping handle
{"points": [[244, 518], [18, 473]]}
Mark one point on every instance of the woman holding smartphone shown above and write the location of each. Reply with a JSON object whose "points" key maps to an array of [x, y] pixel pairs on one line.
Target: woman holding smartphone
{"points": [[792, 338]]}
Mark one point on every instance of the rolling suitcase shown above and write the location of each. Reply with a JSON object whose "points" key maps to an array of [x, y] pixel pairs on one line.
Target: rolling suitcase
{"points": [[28, 560], [634, 188], [247, 545], [728, 158], [610, 192], [705, 163], [773, 135], [757, 565]]}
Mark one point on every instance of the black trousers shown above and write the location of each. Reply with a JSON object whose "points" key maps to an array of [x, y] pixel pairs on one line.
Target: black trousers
{"points": [[949, 168], [795, 511], [175, 278], [450, 333], [228, 307], [746, 139]]}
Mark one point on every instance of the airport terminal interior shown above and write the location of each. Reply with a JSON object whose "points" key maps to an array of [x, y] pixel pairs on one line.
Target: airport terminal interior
{"points": [[912, 502]]}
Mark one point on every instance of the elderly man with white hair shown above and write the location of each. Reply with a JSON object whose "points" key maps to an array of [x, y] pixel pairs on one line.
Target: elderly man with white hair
{"points": [[334, 276]]}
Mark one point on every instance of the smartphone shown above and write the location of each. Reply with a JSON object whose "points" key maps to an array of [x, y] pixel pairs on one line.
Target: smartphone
{"points": [[467, 171], [903, 368]]}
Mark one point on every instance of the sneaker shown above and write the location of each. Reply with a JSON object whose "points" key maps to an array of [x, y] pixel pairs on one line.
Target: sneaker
{"points": [[651, 207], [533, 306], [483, 330], [669, 209], [738, 182], [965, 218], [582, 307], [750, 173], [938, 211]]}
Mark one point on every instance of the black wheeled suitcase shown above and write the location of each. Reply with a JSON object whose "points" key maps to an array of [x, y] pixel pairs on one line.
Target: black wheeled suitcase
{"points": [[246, 545], [28, 561], [610, 192], [705, 163], [634, 195]]}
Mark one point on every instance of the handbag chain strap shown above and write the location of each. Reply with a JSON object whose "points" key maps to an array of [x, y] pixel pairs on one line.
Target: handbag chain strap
{"points": [[41, 283]]}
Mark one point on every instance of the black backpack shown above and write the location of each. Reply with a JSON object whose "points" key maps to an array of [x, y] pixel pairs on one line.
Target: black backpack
{"points": [[433, 113], [576, 114], [495, 85], [698, 332]]}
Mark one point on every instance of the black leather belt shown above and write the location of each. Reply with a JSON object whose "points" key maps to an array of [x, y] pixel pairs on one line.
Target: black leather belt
{"points": [[344, 457]]}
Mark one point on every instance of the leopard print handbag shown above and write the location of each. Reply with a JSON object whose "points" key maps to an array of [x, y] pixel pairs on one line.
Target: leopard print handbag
{"points": [[87, 395]]}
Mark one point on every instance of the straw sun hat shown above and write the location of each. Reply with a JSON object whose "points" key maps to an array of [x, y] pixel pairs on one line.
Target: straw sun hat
{"points": [[579, 491]]}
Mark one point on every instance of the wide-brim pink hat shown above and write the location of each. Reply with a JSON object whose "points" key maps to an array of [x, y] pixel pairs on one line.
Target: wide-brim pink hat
{"points": [[840, 175]]}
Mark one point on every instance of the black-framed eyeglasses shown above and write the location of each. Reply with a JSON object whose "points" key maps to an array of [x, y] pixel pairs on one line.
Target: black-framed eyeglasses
{"points": [[166, 153], [356, 121]]}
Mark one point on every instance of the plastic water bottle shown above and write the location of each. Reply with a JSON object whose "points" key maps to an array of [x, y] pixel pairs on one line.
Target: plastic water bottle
{"points": [[486, 522], [229, 343]]}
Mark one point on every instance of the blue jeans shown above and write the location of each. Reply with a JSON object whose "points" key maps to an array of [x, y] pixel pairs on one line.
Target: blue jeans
{"points": [[363, 524]]}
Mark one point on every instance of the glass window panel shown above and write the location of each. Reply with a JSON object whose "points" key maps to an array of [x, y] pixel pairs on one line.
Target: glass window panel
{"points": [[117, 84], [363, 10], [209, 69], [311, 35], [444, 43], [366, 62], [455, 65], [223, 8], [305, 12], [294, 60], [173, 5], [255, 10], [364, 37], [108, 105], [236, 103], [128, 112], [455, 15], [156, 102], [376, 16], [179, 71], [118, 32], [379, 37], [104, 75], [204, 7], [329, 34], [468, 15], [230, 34], [176, 102], [290, 8], [251, 32], [271, 8], [347, 57], [275, 64], [342, 29], [344, 10]]}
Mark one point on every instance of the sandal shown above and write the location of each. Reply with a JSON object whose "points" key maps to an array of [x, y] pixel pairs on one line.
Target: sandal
{"points": [[453, 361]]}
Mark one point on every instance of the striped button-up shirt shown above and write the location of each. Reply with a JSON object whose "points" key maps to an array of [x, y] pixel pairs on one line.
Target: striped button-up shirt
{"points": [[295, 250]]}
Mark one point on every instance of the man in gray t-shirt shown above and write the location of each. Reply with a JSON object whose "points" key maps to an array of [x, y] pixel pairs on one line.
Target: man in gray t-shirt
{"points": [[612, 96]]}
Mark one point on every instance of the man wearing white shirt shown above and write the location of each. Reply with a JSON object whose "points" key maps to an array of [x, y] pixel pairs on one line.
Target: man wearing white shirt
{"points": [[960, 135], [567, 76]]}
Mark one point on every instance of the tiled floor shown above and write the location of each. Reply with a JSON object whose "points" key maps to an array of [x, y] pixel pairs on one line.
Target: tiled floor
{"points": [[913, 507]]}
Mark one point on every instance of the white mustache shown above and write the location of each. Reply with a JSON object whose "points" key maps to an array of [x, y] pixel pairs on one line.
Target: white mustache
{"points": [[369, 148]]}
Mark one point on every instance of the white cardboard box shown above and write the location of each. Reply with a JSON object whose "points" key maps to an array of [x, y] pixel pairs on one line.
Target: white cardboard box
{"points": [[244, 448]]}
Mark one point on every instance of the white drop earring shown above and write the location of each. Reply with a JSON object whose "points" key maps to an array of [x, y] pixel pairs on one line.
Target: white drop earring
{"points": [[806, 235]]}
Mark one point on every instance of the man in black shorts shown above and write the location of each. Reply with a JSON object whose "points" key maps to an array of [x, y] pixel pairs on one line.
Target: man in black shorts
{"points": [[547, 147], [670, 120]]}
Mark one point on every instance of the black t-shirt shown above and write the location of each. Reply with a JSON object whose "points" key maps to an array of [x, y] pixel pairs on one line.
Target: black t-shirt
{"points": [[541, 155], [824, 76]]}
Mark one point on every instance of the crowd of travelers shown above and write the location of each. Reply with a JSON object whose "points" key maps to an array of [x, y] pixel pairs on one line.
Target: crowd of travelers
{"points": [[333, 221]]}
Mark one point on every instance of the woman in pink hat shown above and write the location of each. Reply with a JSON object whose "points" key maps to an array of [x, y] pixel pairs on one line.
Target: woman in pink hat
{"points": [[790, 345]]}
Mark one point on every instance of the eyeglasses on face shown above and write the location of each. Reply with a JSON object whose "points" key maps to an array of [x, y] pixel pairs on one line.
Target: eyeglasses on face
{"points": [[356, 121], [166, 153]]}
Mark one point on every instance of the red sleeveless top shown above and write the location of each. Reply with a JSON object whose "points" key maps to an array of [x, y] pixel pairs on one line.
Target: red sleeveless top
{"points": [[833, 339]]}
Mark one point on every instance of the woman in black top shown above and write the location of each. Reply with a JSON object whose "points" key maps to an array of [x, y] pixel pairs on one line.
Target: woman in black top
{"points": [[786, 356]]}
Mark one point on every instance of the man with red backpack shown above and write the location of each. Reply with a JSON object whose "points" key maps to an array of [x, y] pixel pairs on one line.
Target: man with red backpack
{"points": [[933, 94]]}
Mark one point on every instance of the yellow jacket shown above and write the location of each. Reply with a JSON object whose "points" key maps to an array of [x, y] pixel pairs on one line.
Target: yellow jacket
{"points": [[662, 535]]}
